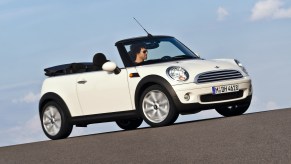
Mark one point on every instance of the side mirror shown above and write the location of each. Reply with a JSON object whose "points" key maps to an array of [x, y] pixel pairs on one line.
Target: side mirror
{"points": [[111, 67]]}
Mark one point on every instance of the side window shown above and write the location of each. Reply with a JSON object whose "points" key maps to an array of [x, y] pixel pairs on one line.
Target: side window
{"points": [[116, 59], [131, 55]]}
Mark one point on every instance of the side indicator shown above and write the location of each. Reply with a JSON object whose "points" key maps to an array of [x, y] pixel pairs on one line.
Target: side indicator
{"points": [[131, 75]]}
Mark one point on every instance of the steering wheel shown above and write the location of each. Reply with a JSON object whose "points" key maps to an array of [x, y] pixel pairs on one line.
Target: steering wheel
{"points": [[166, 57]]}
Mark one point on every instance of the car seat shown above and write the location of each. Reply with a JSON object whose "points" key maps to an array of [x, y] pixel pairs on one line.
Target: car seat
{"points": [[98, 60]]}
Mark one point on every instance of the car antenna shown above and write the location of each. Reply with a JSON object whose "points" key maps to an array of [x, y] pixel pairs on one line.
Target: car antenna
{"points": [[149, 35]]}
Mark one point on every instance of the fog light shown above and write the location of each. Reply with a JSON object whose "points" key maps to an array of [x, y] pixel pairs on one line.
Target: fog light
{"points": [[187, 96]]}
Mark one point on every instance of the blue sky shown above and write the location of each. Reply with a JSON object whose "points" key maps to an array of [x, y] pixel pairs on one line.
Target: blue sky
{"points": [[39, 34]]}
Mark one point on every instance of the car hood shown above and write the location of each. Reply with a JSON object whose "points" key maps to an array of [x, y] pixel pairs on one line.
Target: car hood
{"points": [[193, 67]]}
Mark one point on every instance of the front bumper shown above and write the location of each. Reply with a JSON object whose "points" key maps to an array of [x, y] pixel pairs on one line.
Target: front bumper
{"points": [[201, 97], [197, 107]]}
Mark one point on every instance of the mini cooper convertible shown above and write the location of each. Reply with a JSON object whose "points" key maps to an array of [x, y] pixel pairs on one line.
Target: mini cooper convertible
{"points": [[160, 79]]}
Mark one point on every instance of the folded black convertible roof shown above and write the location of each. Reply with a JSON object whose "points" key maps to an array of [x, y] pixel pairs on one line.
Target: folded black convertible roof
{"points": [[63, 69]]}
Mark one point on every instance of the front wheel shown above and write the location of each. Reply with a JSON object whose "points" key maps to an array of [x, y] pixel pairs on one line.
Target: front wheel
{"points": [[233, 110], [129, 124], [156, 107], [54, 121]]}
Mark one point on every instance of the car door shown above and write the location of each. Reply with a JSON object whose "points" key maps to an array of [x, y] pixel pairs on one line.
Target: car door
{"points": [[103, 92]]}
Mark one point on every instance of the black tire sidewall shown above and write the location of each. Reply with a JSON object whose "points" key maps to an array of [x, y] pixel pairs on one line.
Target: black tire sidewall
{"points": [[132, 123], [66, 126], [224, 111], [172, 115]]}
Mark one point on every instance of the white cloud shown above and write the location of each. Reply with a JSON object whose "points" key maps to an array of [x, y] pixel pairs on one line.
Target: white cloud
{"points": [[29, 131], [270, 9], [221, 13], [259, 104], [30, 97], [271, 105], [283, 13], [17, 85]]}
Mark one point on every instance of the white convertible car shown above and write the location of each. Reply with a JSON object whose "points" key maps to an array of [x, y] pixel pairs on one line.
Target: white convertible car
{"points": [[161, 78]]}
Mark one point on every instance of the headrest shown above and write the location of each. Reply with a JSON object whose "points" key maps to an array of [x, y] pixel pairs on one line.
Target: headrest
{"points": [[132, 56], [99, 59]]}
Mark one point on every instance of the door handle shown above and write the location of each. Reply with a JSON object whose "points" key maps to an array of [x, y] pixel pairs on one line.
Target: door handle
{"points": [[82, 82]]}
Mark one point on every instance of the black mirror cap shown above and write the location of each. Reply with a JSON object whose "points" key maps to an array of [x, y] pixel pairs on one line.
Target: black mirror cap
{"points": [[117, 71]]}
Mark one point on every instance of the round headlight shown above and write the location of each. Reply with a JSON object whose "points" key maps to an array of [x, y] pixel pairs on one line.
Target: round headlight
{"points": [[177, 73]]}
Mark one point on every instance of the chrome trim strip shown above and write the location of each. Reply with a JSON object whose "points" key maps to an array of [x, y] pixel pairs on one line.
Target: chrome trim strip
{"points": [[219, 75]]}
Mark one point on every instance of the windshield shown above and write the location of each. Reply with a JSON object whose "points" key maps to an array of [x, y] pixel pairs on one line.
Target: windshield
{"points": [[158, 50]]}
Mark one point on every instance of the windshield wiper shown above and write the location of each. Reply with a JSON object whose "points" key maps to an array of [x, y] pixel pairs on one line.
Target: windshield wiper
{"points": [[183, 57], [152, 61]]}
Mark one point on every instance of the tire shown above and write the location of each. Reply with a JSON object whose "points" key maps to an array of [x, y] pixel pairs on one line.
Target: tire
{"points": [[156, 107], [129, 124], [55, 122], [234, 110]]}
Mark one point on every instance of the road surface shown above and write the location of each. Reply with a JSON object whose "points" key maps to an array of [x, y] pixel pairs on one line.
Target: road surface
{"points": [[253, 138]]}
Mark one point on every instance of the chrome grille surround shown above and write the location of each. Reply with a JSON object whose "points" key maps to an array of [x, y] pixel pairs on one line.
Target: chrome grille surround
{"points": [[220, 75]]}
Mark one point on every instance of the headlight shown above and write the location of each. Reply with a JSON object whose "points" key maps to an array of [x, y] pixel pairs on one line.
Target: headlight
{"points": [[178, 73], [241, 66]]}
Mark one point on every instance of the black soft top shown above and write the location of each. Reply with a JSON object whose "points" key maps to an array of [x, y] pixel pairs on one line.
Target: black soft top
{"points": [[65, 69]]}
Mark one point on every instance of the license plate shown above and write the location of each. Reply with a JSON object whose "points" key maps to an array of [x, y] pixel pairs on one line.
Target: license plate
{"points": [[225, 89]]}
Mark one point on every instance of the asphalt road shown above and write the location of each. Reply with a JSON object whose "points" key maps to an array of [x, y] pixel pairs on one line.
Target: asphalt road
{"points": [[253, 138]]}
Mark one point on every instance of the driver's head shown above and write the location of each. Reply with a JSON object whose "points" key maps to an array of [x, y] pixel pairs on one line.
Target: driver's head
{"points": [[139, 51]]}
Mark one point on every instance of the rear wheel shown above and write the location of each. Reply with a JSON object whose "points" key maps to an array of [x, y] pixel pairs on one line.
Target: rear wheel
{"points": [[157, 107], [54, 121], [233, 110], [129, 124]]}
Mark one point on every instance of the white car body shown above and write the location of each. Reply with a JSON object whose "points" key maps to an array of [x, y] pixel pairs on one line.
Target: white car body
{"points": [[98, 93], [111, 88]]}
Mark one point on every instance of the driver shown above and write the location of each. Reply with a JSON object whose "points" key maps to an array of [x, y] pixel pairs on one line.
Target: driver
{"points": [[139, 52]]}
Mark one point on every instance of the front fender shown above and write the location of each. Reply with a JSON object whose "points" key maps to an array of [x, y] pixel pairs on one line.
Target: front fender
{"points": [[50, 96], [152, 80]]}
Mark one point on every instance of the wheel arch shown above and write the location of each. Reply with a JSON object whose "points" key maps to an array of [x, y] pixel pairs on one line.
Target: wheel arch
{"points": [[149, 81], [50, 96]]}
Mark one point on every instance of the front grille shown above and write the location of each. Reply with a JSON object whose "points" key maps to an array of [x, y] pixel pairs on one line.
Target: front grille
{"points": [[218, 76], [221, 97]]}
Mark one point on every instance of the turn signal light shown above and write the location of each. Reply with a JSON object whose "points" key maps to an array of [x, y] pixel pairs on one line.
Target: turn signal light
{"points": [[133, 75]]}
